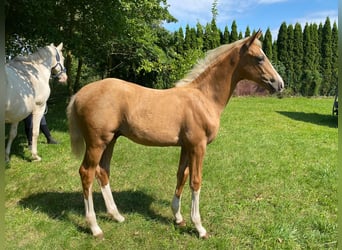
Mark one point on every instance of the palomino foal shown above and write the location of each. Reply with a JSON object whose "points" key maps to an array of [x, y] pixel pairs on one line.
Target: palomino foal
{"points": [[187, 116]]}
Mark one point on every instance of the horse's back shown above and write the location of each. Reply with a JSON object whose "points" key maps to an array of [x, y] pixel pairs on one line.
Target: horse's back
{"points": [[146, 116], [116, 106]]}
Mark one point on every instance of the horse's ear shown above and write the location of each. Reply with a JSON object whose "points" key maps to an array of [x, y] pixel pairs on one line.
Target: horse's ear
{"points": [[251, 40], [60, 46]]}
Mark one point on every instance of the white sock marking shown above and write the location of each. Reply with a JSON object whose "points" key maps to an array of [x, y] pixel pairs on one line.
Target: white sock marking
{"points": [[195, 213], [110, 204], [176, 207]]}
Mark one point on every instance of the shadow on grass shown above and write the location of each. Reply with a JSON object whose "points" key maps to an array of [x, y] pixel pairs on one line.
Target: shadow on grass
{"points": [[58, 205], [314, 118]]}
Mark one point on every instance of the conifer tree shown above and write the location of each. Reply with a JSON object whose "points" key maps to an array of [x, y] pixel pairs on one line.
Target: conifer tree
{"points": [[199, 35], [297, 56], [234, 33], [307, 47], [187, 39], [193, 39], [289, 59], [225, 38], [267, 44], [315, 39], [206, 37], [274, 52], [215, 35], [247, 32], [282, 49], [282, 43], [326, 62], [311, 78], [179, 41], [334, 62]]}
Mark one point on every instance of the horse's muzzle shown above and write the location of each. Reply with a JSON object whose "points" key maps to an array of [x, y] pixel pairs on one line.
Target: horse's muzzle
{"points": [[62, 78]]}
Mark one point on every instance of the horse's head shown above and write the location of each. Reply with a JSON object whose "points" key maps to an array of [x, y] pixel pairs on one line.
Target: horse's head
{"points": [[255, 65], [58, 70]]}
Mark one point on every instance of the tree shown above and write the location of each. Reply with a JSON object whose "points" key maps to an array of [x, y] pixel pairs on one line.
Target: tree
{"points": [[311, 82], [234, 33], [207, 37], [297, 56], [274, 58], [179, 41], [289, 60], [90, 33], [199, 35], [334, 62], [282, 50], [225, 37], [282, 43], [215, 35], [187, 40], [267, 44], [326, 62], [247, 32]]}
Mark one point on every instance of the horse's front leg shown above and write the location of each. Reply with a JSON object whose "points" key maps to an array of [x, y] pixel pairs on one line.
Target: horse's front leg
{"points": [[12, 135], [195, 167], [182, 175], [36, 118]]}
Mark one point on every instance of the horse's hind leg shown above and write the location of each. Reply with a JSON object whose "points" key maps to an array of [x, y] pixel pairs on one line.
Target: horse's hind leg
{"points": [[182, 175], [87, 173], [102, 175], [12, 135]]}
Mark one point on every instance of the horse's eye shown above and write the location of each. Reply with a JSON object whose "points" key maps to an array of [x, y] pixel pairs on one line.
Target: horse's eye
{"points": [[261, 58]]}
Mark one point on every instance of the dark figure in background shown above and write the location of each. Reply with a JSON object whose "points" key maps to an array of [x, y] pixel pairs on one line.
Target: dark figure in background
{"points": [[43, 127]]}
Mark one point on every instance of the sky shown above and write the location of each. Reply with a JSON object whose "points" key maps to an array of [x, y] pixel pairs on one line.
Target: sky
{"points": [[256, 14]]}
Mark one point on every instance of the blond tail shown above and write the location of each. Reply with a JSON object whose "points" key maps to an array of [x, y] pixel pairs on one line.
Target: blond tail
{"points": [[76, 137]]}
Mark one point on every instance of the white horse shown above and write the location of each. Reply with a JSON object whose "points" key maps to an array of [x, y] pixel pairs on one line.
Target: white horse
{"points": [[27, 89]]}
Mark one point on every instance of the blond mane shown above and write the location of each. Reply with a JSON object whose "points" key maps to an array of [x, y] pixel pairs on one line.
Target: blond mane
{"points": [[210, 58]]}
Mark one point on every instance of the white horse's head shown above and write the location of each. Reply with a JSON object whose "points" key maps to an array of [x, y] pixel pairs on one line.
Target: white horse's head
{"points": [[58, 70]]}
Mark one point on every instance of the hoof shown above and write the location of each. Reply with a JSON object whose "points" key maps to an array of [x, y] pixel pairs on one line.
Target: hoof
{"points": [[36, 158], [118, 217], [181, 224], [205, 237], [99, 236]]}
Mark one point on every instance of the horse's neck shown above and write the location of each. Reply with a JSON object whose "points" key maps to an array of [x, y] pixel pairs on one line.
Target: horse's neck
{"points": [[41, 59], [217, 82], [34, 72]]}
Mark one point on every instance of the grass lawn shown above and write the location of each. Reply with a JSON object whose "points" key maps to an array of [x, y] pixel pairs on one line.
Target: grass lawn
{"points": [[269, 182]]}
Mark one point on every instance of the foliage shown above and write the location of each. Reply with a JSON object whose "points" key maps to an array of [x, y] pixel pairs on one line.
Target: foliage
{"points": [[269, 182]]}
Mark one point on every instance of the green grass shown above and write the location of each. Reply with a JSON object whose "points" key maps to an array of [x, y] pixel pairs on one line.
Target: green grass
{"points": [[269, 182]]}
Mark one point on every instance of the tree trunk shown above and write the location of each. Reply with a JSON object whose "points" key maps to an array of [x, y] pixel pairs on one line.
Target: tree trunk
{"points": [[68, 61], [78, 75]]}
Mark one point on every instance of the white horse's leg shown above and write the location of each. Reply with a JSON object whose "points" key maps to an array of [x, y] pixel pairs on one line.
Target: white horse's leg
{"points": [[110, 204], [12, 135], [36, 118]]}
